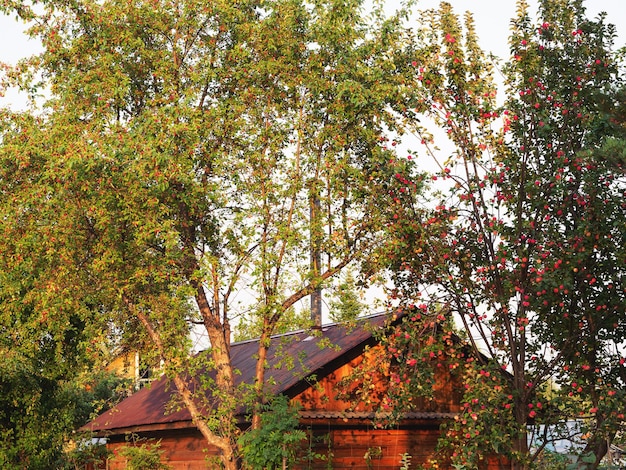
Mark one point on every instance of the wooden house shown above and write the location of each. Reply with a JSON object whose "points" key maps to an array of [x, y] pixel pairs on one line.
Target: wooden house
{"points": [[347, 435]]}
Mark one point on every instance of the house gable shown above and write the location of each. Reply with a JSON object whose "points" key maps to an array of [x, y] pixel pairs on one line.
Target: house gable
{"points": [[335, 393]]}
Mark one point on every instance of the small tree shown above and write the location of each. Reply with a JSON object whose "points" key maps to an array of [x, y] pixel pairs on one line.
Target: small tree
{"points": [[346, 304], [143, 456]]}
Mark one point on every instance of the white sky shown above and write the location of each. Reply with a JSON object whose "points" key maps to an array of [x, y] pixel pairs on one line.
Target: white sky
{"points": [[492, 23], [492, 19]]}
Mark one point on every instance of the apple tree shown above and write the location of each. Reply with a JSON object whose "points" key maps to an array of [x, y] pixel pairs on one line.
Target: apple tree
{"points": [[523, 248]]}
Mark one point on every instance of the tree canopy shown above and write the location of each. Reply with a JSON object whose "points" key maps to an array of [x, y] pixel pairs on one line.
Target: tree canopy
{"points": [[187, 159], [189, 165]]}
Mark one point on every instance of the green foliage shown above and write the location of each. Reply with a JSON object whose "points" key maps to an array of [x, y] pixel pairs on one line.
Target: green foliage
{"points": [[372, 453], [166, 181], [143, 455], [551, 461], [405, 461], [311, 457], [85, 454], [277, 441], [39, 414], [291, 320], [346, 305]]}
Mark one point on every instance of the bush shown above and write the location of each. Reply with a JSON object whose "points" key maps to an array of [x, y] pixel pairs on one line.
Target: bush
{"points": [[276, 441], [146, 456]]}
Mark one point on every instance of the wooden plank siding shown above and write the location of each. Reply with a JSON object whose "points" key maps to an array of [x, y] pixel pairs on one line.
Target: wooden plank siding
{"points": [[347, 448], [343, 448], [323, 395], [182, 450]]}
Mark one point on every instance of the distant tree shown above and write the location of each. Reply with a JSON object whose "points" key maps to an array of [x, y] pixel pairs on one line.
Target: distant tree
{"points": [[47, 389], [188, 157], [525, 249], [40, 411], [249, 327], [346, 304]]}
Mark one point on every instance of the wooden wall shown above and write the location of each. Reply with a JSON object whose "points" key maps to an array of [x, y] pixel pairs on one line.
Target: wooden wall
{"points": [[182, 450], [323, 396], [343, 448], [350, 448]]}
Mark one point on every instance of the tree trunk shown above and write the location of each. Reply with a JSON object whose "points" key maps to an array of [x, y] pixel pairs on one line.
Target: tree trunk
{"points": [[223, 444], [225, 383], [315, 260], [221, 357], [259, 377], [520, 441], [599, 447], [520, 447]]}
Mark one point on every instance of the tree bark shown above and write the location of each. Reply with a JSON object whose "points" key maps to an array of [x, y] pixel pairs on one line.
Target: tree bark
{"points": [[259, 377], [520, 441], [227, 456], [224, 444]]}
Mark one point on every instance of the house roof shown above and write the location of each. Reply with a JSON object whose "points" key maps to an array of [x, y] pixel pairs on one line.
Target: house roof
{"points": [[310, 353]]}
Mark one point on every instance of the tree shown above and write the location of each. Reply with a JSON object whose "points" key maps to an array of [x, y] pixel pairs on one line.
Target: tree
{"points": [[188, 154], [525, 248], [346, 305], [250, 327], [275, 443], [41, 410]]}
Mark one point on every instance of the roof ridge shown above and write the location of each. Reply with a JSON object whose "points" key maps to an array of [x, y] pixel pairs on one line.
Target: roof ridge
{"points": [[323, 327]]}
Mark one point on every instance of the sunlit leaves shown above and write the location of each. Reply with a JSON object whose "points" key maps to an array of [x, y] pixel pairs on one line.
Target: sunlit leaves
{"points": [[168, 181]]}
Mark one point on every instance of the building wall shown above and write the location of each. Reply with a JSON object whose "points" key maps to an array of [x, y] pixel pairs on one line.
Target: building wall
{"points": [[125, 365], [343, 448], [367, 449], [324, 395], [182, 450]]}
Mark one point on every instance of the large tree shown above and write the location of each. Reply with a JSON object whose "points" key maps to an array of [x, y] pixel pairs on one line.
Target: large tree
{"points": [[524, 251], [188, 157]]}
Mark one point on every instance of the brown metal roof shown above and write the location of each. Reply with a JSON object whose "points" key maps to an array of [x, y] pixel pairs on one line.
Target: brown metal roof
{"points": [[310, 352]]}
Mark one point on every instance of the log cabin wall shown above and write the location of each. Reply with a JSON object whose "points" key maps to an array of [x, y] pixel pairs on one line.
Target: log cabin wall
{"points": [[359, 448], [323, 394], [182, 450], [354, 447]]}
